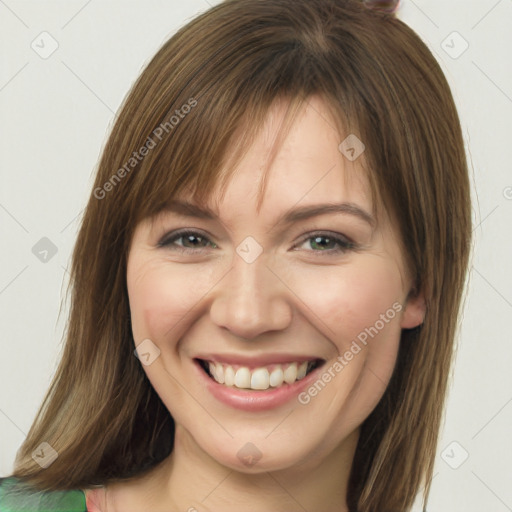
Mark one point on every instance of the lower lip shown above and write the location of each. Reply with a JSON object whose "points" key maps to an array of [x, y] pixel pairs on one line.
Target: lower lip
{"points": [[249, 400]]}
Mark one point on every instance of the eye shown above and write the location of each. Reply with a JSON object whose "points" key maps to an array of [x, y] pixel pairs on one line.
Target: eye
{"points": [[186, 241], [195, 241], [326, 242]]}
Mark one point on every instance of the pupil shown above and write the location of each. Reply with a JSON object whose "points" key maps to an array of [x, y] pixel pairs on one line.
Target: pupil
{"points": [[317, 242], [191, 238]]}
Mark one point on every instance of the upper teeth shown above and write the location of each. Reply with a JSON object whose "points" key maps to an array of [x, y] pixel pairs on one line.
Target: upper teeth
{"points": [[259, 378]]}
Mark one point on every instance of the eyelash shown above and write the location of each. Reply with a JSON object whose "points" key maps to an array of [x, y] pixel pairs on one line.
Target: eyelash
{"points": [[343, 243]]}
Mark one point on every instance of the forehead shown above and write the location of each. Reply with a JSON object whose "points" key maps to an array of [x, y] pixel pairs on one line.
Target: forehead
{"points": [[306, 167]]}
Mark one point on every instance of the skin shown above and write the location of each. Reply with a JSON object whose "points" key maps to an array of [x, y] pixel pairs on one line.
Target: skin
{"points": [[294, 298]]}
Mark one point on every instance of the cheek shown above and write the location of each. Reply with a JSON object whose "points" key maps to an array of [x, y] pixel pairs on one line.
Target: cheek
{"points": [[351, 299], [162, 298], [360, 308]]}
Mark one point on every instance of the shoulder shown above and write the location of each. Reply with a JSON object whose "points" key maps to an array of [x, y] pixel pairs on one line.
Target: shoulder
{"points": [[17, 496]]}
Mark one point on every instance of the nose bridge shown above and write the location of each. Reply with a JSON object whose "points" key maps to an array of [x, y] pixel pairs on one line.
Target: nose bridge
{"points": [[251, 300], [248, 280]]}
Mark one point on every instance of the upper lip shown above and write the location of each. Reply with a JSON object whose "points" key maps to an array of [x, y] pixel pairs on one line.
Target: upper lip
{"points": [[255, 361]]}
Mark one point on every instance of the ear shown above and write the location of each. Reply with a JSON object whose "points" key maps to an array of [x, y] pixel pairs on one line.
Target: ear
{"points": [[414, 311]]}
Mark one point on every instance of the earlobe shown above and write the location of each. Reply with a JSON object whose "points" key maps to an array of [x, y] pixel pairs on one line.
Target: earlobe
{"points": [[414, 312]]}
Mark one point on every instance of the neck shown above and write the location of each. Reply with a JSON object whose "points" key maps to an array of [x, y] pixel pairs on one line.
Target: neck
{"points": [[190, 480]]}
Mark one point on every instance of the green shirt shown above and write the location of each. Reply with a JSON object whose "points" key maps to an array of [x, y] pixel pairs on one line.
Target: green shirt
{"points": [[16, 496]]}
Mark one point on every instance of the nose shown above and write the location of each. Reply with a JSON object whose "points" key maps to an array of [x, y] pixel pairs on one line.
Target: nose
{"points": [[252, 299]]}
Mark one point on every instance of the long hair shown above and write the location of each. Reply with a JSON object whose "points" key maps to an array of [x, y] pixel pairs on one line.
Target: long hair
{"points": [[201, 99]]}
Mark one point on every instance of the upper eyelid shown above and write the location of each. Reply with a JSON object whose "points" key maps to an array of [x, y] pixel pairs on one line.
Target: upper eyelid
{"points": [[190, 210], [275, 230]]}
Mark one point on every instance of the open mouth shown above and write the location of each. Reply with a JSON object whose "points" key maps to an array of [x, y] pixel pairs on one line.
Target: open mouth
{"points": [[258, 379]]}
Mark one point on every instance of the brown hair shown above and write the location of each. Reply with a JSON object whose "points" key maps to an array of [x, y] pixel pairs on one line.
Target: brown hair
{"points": [[218, 77]]}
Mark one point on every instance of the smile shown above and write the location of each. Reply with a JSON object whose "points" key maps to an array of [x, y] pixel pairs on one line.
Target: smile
{"points": [[256, 383], [260, 378]]}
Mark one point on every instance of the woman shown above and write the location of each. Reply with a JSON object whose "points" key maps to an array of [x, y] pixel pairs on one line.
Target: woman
{"points": [[268, 276]]}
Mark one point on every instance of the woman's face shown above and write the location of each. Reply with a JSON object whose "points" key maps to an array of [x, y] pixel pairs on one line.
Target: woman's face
{"points": [[257, 298]]}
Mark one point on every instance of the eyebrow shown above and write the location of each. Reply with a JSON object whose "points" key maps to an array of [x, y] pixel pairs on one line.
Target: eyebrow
{"points": [[288, 217]]}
